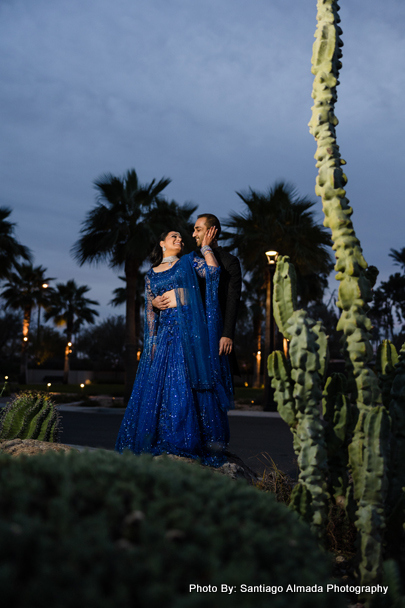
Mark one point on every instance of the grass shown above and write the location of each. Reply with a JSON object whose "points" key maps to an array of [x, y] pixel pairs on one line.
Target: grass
{"points": [[340, 533], [275, 481], [114, 390]]}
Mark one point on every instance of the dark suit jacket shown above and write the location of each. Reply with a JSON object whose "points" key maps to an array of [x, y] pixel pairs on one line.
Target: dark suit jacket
{"points": [[229, 290]]}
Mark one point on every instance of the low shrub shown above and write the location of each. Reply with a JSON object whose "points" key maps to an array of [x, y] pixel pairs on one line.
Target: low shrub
{"points": [[99, 529]]}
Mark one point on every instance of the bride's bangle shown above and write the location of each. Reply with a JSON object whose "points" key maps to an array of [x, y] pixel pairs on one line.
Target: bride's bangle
{"points": [[206, 249]]}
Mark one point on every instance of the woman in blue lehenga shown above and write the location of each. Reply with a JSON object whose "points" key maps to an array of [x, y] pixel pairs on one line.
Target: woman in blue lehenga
{"points": [[183, 388]]}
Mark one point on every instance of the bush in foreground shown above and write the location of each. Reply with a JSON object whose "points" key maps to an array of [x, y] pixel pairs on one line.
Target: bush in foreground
{"points": [[100, 530]]}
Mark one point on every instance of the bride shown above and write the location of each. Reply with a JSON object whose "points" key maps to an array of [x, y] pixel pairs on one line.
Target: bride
{"points": [[183, 387]]}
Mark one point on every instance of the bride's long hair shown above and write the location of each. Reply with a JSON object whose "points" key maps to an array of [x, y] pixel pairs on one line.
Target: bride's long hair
{"points": [[156, 256]]}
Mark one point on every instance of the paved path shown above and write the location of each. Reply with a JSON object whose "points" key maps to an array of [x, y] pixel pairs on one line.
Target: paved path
{"points": [[255, 438]]}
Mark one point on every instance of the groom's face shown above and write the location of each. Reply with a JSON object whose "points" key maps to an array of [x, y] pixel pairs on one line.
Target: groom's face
{"points": [[200, 228]]}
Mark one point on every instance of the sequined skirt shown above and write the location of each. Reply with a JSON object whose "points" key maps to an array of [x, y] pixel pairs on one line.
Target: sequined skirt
{"points": [[165, 414]]}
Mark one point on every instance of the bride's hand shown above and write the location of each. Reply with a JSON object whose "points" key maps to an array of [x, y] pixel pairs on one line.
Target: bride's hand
{"points": [[161, 302], [209, 236]]}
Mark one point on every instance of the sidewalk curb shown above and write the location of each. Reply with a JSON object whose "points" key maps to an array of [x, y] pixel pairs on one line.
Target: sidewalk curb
{"points": [[117, 410], [66, 407]]}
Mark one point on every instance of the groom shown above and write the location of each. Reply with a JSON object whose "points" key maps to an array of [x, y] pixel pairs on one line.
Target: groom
{"points": [[230, 285]]}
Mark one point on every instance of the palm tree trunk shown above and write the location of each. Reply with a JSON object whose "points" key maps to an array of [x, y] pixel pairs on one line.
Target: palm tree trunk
{"points": [[131, 275], [24, 345], [137, 323]]}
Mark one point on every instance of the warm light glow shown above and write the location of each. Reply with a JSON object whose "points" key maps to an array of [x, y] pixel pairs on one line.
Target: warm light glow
{"points": [[69, 344], [138, 355], [49, 385], [45, 285], [5, 377], [259, 352], [25, 339], [82, 385], [271, 256], [246, 384]]}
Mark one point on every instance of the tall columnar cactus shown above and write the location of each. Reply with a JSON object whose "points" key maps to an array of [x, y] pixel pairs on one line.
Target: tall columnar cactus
{"points": [[30, 415], [298, 392], [354, 289], [367, 448]]}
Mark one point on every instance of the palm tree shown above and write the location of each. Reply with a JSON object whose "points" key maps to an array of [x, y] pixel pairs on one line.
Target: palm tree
{"points": [[121, 230], [281, 220], [70, 308], [120, 297], [254, 295], [11, 251], [398, 257], [25, 289]]}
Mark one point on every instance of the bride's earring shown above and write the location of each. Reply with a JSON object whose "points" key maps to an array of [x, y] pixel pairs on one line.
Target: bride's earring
{"points": [[164, 248]]}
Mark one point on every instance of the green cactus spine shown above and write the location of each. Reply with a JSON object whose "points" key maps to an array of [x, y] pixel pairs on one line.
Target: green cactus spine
{"points": [[30, 415]]}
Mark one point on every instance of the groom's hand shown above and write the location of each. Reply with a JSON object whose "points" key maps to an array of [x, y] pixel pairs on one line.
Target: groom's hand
{"points": [[225, 346]]}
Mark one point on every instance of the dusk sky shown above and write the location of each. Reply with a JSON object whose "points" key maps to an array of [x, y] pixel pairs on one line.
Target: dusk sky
{"points": [[215, 94]]}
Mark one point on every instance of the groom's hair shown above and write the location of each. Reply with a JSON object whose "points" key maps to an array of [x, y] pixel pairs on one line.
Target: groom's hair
{"points": [[211, 220]]}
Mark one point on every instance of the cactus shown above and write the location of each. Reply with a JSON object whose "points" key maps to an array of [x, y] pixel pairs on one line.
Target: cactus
{"points": [[31, 415], [280, 371], [354, 289], [397, 413], [298, 392], [387, 358], [285, 294], [365, 415], [370, 484], [323, 452], [367, 444], [337, 416]]}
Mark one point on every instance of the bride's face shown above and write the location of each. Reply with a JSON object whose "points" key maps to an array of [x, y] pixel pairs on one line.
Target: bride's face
{"points": [[173, 243]]}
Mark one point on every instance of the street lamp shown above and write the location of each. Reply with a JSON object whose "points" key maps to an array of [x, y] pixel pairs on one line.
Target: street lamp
{"points": [[44, 286], [270, 327], [271, 257]]}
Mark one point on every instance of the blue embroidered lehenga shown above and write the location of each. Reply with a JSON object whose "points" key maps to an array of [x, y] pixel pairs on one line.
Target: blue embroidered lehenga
{"points": [[183, 388]]}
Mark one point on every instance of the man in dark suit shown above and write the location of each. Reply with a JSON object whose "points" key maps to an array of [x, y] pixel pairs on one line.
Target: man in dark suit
{"points": [[230, 284]]}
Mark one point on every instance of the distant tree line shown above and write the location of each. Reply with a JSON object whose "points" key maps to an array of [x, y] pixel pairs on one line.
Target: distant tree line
{"points": [[120, 230]]}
